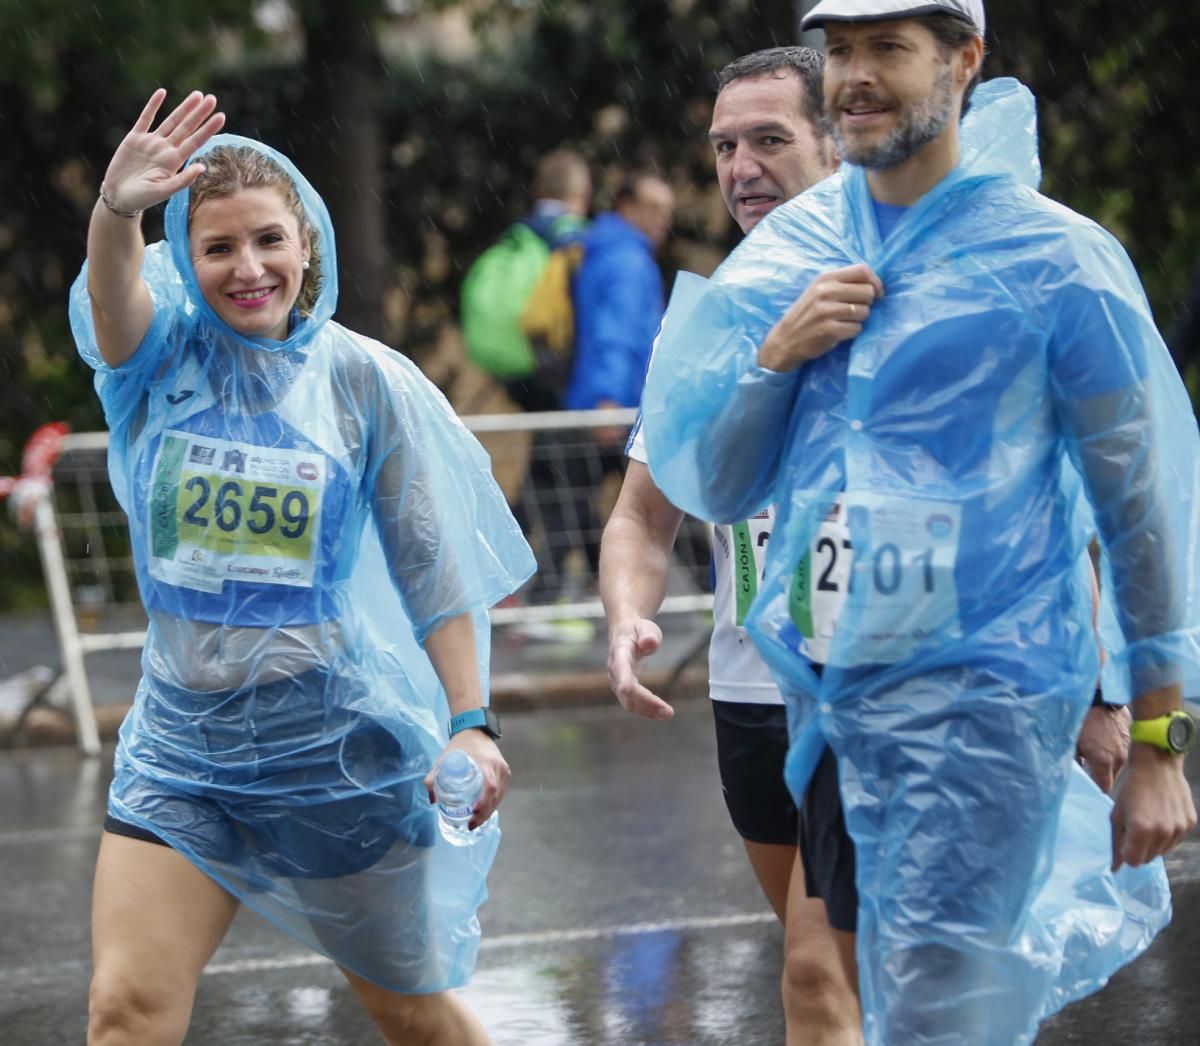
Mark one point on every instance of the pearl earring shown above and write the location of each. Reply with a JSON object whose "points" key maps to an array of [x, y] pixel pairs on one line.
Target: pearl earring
{"points": [[305, 265]]}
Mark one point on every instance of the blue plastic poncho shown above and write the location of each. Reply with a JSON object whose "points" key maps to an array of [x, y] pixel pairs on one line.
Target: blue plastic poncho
{"points": [[303, 514], [938, 481]]}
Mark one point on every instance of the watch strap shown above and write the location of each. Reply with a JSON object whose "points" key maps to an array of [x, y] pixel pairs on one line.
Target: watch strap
{"points": [[1156, 731], [476, 719]]}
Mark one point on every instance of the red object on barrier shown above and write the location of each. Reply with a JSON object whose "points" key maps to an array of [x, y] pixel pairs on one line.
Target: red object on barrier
{"points": [[37, 462], [44, 448]]}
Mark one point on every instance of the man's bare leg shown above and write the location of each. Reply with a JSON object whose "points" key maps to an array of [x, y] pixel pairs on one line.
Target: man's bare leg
{"points": [[820, 974]]}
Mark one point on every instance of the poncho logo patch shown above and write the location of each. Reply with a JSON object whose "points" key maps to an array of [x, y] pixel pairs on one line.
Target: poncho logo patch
{"points": [[228, 510]]}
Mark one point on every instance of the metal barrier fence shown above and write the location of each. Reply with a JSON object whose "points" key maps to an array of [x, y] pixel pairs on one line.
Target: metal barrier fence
{"points": [[560, 471]]}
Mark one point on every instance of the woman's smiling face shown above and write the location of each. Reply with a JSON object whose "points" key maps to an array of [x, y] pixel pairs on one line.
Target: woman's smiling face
{"points": [[248, 254]]}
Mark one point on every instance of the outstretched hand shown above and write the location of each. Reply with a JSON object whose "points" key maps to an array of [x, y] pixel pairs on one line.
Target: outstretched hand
{"points": [[145, 169], [627, 645]]}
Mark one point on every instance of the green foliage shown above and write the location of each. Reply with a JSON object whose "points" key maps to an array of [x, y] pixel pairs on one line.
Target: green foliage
{"points": [[73, 76], [627, 82], [1119, 128], [136, 42]]}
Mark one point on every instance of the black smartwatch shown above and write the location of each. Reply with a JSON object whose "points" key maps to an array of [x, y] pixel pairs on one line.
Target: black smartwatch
{"points": [[477, 719]]}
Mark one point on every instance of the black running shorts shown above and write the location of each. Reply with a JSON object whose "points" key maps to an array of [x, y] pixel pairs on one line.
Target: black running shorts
{"points": [[752, 743], [826, 847]]}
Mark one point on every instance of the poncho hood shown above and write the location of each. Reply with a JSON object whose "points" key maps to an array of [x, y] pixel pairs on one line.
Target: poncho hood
{"points": [[176, 227], [999, 141]]}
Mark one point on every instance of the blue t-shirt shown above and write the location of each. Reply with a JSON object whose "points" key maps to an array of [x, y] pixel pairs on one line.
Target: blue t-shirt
{"points": [[886, 217]]}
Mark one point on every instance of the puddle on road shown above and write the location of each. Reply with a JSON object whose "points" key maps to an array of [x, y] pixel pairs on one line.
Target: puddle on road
{"points": [[659, 988], [309, 1004]]}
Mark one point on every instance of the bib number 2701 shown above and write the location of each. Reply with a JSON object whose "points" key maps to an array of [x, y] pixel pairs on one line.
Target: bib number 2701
{"points": [[887, 567], [887, 596]]}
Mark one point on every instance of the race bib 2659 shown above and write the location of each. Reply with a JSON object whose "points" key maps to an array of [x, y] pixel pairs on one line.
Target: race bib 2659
{"points": [[222, 511]]}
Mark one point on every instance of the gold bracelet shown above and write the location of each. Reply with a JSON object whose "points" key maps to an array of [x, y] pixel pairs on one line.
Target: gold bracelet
{"points": [[107, 203]]}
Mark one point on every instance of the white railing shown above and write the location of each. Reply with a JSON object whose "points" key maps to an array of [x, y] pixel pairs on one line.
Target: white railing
{"points": [[71, 538]]}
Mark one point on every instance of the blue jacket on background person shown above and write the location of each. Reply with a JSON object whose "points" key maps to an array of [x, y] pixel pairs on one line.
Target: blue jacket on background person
{"points": [[618, 296]]}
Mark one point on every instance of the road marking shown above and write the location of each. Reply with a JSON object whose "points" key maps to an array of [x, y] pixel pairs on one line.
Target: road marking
{"points": [[594, 933], [523, 940], [298, 960]]}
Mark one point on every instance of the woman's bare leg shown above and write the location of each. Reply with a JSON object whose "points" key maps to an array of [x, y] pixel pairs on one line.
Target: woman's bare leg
{"points": [[437, 1019], [156, 920]]}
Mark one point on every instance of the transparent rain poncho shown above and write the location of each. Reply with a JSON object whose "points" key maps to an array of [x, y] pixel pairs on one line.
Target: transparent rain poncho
{"points": [[303, 514], [937, 483]]}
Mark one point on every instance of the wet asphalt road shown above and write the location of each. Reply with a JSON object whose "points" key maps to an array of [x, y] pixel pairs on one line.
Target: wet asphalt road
{"points": [[622, 912]]}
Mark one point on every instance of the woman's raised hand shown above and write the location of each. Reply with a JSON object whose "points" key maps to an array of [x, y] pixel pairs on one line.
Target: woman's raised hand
{"points": [[145, 169]]}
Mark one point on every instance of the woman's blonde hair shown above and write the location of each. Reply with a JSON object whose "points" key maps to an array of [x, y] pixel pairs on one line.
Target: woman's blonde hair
{"points": [[231, 168]]}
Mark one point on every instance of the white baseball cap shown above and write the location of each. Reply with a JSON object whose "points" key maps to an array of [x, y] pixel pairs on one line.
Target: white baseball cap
{"points": [[970, 11]]}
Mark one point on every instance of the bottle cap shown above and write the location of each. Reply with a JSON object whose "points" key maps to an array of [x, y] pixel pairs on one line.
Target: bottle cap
{"points": [[456, 766]]}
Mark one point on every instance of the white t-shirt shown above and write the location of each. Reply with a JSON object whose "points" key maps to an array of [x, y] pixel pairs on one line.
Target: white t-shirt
{"points": [[735, 671]]}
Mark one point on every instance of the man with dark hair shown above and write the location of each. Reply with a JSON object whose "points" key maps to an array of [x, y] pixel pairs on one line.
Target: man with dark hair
{"points": [[808, 67], [948, 384], [769, 144]]}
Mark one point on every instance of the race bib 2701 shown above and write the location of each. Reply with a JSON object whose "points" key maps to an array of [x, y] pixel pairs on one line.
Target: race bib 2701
{"points": [[888, 595]]}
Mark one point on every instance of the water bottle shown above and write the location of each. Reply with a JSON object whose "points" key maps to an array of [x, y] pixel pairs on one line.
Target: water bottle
{"points": [[457, 786]]}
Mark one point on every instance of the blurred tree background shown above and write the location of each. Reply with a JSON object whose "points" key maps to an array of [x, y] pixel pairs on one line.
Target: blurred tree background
{"points": [[420, 120]]}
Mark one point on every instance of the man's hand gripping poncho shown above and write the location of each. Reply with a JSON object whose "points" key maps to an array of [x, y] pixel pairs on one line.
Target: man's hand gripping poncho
{"points": [[937, 483], [303, 514]]}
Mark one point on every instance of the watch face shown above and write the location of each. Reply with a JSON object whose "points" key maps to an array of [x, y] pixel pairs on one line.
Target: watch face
{"points": [[1181, 733], [493, 723]]}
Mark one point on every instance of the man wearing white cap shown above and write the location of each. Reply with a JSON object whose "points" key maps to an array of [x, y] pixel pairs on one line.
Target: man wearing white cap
{"points": [[964, 376]]}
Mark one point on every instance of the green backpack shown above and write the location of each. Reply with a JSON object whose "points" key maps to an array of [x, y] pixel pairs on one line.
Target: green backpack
{"points": [[495, 295]]}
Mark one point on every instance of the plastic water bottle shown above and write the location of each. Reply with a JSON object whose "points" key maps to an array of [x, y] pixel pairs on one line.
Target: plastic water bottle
{"points": [[457, 786]]}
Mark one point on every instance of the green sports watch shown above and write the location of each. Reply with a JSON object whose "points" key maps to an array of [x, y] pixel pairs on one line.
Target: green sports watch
{"points": [[477, 719], [1174, 732]]}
